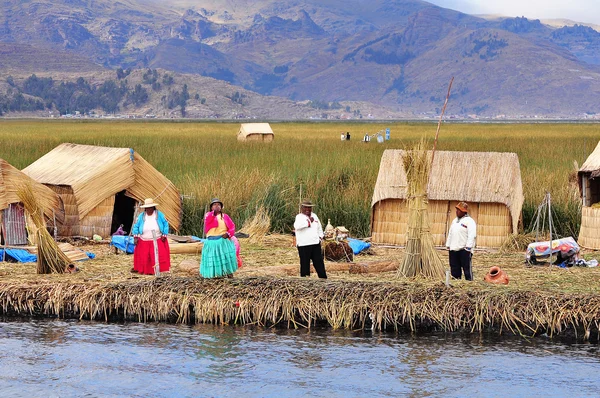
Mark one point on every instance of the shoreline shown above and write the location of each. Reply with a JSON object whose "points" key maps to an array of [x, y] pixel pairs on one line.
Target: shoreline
{"points": [[305, 303]]}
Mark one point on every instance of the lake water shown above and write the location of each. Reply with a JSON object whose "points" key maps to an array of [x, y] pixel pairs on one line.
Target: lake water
{"points": [[53, 358]]}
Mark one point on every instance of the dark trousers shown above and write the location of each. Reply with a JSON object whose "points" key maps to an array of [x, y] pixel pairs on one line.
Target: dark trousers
{"points": [[314, 253], [461, 260]]}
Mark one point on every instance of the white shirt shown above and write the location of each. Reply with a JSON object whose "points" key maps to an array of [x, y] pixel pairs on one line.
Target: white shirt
{"points": [[307, 232], [462, 234], [150, 224]]}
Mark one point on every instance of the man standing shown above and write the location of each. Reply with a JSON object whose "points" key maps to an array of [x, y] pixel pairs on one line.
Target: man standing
{"points": [[461, 241], [309, 234]]}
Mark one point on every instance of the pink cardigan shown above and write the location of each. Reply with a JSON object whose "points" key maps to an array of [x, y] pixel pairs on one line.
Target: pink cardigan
{"points": [[211, 222]]}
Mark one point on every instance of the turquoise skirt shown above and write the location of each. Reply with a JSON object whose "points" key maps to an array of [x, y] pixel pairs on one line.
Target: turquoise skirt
{"points": [[218, 258]]}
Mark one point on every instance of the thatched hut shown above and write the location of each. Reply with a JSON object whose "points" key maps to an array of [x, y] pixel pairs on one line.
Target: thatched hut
{"points": [[255, 132], [489, 181], [12, 214], [589, 184], [101, 187]]}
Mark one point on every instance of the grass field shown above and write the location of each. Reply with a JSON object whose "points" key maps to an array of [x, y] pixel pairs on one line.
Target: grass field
{"points": [[205, 160]]}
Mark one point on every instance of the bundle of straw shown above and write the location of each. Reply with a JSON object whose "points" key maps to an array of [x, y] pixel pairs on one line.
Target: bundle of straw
{"points": [[258, 226], [421, 258], [49, 257]]}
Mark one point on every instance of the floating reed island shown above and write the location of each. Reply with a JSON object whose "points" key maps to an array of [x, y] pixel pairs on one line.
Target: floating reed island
{"points": [[538, 300]]}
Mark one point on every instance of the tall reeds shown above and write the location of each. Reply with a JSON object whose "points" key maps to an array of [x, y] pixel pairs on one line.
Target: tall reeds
{"points": [[50, 259], [205, 159], [421, 258]]}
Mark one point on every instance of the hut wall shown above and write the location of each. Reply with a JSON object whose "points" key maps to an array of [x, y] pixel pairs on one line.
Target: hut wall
{"points": [[259, 137], [70, 226], [589, 234], [390, 222], [99, 220], [494, 225]]}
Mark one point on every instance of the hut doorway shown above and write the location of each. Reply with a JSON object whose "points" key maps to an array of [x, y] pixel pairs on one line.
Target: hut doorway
{"points": [[123, 212], [13, 225]]}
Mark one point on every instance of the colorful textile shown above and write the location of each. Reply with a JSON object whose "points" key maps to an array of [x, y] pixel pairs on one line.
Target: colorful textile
{"points": [[163, 224], [220, 229], [143, 256], [210, 222], [566, 246], [218, 258], [123, 243]]}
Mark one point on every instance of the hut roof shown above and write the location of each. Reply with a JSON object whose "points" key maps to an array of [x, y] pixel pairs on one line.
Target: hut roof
{"points": [[255, 128], [592, 163], [95, 173], [11, 179], [489, 177]]}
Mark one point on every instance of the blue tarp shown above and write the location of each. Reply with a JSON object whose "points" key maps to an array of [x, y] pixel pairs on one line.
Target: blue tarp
{"points": [[123, 243], [358, 245], [20, 255], [23, 256]]}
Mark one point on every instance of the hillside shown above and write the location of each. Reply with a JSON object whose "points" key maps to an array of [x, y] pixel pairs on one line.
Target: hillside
{"points": [[392, 56]]}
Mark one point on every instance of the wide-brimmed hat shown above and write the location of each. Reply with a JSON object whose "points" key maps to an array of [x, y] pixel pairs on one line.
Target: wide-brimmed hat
{"points": [[307, 203], [148, 203], [215, 200], [463, 206]]}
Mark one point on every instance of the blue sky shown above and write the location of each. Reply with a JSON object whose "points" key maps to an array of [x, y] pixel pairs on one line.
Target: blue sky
{"points": [[576, 10]]}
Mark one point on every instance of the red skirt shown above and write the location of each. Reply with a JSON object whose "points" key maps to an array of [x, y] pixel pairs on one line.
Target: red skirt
{"points": [[143, 256]]}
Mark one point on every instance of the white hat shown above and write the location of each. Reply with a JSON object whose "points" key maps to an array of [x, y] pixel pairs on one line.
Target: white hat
{"points": [[148, 203]]}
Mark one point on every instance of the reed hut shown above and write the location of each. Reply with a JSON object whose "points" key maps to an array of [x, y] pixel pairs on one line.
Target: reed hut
{"points": [[589, 185], [489, 181], [13, 219], [102, 187], [255, 132]]}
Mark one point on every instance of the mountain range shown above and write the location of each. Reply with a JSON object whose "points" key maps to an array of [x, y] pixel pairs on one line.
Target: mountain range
{"points": [[390, 58]]}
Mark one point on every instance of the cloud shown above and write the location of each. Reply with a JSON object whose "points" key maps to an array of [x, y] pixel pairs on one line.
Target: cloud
{"points": [[576, 10]]}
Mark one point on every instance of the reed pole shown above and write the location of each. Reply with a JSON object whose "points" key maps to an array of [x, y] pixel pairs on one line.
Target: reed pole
{"points": [[437, 133]]}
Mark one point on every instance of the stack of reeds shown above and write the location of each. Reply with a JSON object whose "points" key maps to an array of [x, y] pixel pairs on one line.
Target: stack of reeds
{"points": [[421, 258], [258, 226], [50, 259]]}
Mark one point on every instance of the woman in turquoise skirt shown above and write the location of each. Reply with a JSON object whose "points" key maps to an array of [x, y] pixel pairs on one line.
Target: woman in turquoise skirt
{"points": [[219, 251]]}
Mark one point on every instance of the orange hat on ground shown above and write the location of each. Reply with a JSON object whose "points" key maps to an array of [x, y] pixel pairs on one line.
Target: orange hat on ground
{"points": [[463, 206]]}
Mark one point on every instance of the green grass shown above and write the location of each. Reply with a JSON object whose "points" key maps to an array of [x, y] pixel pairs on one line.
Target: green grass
{"points": [[205, 160]]}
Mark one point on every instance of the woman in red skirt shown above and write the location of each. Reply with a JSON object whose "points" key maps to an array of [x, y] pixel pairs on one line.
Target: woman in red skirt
{"points": [[151, 226]]}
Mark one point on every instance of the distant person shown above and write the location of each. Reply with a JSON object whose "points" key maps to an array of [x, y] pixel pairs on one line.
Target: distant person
{"points": [[151, 226], [348, 136], [367, 138], [343, 136], [220, 254], [309, 234], [461, 241]]}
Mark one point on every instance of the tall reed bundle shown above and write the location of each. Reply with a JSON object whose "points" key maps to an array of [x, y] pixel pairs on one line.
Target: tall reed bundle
{"points": [[421, 258], [50, 259], [258, 226]]}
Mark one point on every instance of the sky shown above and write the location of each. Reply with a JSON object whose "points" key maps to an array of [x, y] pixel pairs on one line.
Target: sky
{"points": [[576, 10]]}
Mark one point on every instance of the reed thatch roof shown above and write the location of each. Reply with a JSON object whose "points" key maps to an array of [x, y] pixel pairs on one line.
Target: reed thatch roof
{"points": [[476, 177], [95, 173], [247, 129], [11, 179], [592, 163]]}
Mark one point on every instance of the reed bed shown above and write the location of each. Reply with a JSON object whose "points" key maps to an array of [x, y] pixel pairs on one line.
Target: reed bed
{"points": [[338, 176], [538, 299], [298, 303]]}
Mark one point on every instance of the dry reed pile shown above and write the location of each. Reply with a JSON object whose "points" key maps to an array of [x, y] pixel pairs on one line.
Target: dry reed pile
{"points": [[421, 258], [294, 302], [258, 226], [50, 258]]}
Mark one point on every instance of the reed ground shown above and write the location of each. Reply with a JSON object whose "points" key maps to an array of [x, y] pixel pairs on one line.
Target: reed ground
{"points": [[276, 251]]}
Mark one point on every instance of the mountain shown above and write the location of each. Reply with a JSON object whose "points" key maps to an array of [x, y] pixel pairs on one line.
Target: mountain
{"points": [[396, 56]]}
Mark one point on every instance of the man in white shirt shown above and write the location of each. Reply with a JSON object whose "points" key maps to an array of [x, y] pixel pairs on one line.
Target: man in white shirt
{"points": [[309, 233], [461, 241]]}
